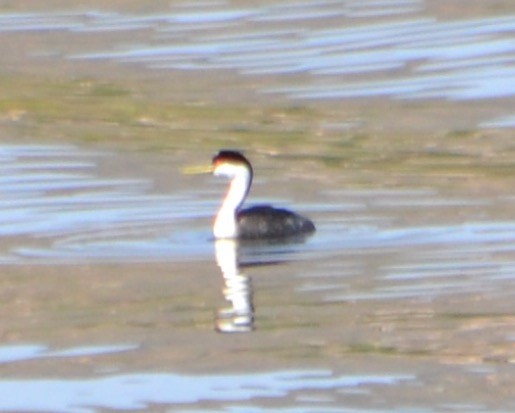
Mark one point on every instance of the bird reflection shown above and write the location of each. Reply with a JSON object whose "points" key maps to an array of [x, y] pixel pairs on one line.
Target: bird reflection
{"points": [[232, 256], [237, 290]]}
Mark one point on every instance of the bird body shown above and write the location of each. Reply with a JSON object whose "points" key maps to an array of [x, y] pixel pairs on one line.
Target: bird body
{"points": [[258, 222], [265, 221]]}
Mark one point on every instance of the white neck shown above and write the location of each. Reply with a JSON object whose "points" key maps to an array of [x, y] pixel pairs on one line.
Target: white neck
{"points": [[225, 223]]}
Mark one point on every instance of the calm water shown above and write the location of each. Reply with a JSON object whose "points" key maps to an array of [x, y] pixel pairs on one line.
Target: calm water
{"points": [[115, 297]]}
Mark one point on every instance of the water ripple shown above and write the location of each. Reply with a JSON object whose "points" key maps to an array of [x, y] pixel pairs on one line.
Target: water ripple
{"points": [[411, 55], [54, 206], [140, 391], [73, 215]]}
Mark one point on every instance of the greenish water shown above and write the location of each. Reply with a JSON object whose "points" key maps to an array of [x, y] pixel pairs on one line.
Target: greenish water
{"points": [[114, 295]]}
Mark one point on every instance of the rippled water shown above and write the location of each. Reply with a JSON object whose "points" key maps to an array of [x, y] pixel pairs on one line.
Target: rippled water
{"points": [[115, 297], [375, 265], [54, 192], [335, 45], [140, 391]]}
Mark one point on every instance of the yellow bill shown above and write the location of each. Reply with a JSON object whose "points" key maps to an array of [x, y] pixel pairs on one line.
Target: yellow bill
{"points": [[197, 169]]}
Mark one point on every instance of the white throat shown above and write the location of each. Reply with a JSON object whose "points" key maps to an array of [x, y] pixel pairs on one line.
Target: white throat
{"points": [[226, 225]]}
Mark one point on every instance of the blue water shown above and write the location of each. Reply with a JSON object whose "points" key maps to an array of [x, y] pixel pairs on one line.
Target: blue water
{"points": [[373, 250], [57, 208], [403, 53], [136, 391], [402, 301], [355, 49], [243, 392]]}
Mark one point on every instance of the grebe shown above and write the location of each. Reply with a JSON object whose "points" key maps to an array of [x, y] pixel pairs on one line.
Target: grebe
{"points": [[258, 222]]}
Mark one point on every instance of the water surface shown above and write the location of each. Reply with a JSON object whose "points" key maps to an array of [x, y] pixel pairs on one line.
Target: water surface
{"points": [[399, 290], [391, 133]]}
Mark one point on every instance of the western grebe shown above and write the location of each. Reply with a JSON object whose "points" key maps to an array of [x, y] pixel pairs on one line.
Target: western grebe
{"points": [[258, 222]]}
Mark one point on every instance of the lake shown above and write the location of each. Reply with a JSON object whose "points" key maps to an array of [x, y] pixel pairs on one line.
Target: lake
{"points": [[387, 123]]}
